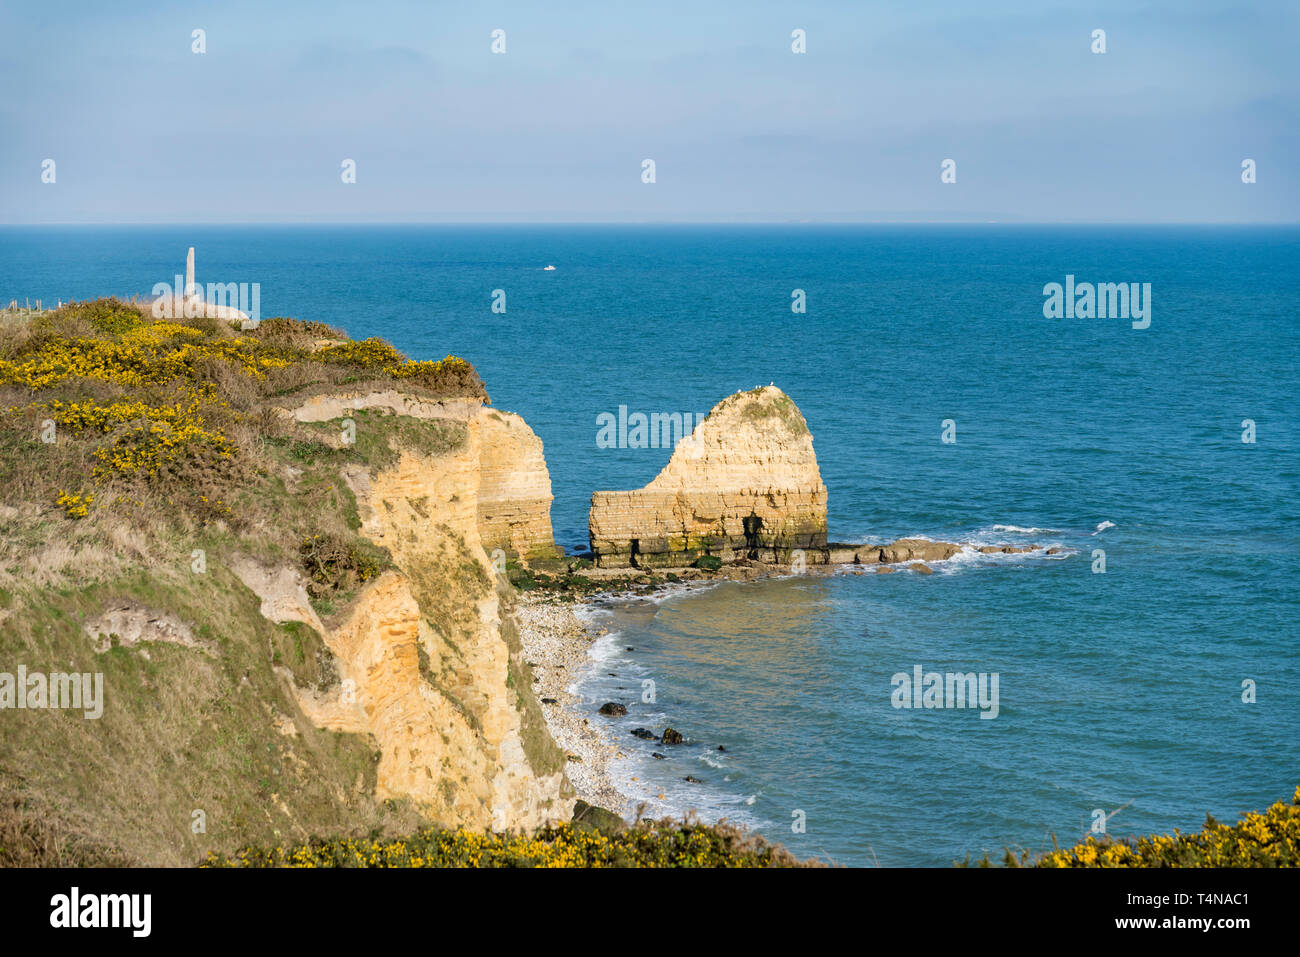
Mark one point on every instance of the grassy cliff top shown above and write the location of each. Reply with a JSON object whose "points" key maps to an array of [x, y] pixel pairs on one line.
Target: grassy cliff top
{"points": [[763, 404], [181, 423]]}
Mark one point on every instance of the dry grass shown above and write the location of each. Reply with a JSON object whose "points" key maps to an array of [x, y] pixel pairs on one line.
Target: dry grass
{"points": [[35, 835], [183, 730]]}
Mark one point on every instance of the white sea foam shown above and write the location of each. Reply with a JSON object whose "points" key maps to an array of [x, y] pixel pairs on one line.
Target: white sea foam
{"points": [[605, 647], [641, 779], [1103, 526], [1021, 530]]}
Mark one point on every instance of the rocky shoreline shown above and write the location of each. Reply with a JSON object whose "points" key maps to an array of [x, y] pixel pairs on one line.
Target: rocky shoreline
{"points": [[557, 644]]}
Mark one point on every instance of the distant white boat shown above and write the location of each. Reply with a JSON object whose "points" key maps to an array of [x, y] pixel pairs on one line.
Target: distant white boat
{"points": [[548, 269]]}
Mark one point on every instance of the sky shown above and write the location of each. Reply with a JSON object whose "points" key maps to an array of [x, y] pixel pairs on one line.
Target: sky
{"points": [[142, 129]]}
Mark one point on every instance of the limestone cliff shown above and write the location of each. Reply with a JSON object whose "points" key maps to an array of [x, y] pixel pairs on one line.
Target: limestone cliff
{"points": [[745, 481], [426, 653], [514, 494], [513, 489]]}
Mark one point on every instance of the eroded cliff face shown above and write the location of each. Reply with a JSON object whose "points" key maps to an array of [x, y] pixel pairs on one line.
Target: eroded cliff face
{"points": [[514, 486], [745, 481], [427, 659], [514, 495]]}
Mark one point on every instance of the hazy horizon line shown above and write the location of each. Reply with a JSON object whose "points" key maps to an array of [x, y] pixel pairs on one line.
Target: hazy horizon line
{"points": [[665, 222]]}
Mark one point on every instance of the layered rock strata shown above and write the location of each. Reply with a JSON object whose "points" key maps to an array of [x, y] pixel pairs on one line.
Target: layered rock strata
{"points": [[514, 493], [513, 490], [427, 654], [744, 483]]}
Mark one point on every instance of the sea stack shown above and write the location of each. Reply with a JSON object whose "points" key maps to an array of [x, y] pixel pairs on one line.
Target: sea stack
{"points": [[744, 484]]}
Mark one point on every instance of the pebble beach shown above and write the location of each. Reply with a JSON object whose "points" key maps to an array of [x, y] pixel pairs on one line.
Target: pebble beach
{"points": [[556, 643]]}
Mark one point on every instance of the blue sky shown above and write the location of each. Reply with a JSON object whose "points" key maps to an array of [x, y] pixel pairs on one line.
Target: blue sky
{"points": [[740, 128]]}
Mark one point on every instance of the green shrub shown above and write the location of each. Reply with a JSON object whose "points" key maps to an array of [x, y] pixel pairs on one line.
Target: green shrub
{"points": [[334, 563], [110, 316], [295, 333]]}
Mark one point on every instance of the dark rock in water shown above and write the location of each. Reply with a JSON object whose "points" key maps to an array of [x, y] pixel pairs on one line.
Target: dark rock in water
{"points": [[656, 755], [613, 709], [671, 736], [693, 780], [611, 674], [644, 734], [721, 748], [549, 701], [631, 649], [1053, 551]]}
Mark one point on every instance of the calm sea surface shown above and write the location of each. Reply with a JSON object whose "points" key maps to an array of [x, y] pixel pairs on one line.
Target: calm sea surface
{"points": [[1115, 689]]}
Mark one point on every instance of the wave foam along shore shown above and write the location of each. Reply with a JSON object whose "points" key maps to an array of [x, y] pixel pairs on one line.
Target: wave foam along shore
{"points": [[557, 644]]}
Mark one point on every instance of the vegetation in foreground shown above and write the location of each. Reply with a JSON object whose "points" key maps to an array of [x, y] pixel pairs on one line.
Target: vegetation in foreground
{"points": [[646, 844], [1268, 838]]}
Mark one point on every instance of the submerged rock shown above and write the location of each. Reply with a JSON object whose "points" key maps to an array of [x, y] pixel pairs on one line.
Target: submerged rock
{"points": [[613, 709]]}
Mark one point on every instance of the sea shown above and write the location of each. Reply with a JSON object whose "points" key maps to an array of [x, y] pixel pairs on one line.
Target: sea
{"points": [[1147, 673]]}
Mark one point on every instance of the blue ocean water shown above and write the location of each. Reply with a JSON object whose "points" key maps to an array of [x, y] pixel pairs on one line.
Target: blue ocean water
{"points": [[1116, 689]]}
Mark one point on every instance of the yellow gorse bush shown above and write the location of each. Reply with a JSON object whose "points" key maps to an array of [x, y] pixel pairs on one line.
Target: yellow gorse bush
{"points": [[1268, 838], [105, 417], [149, 354], [413, 368], [370, 353], [75, 506], [685, 845], [150, 448]]}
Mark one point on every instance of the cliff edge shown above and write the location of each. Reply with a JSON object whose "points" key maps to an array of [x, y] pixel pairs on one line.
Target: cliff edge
{"points": [[262, 560]]}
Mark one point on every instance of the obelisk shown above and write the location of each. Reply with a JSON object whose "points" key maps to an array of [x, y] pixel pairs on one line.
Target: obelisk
{"points": [[189, 273]]}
